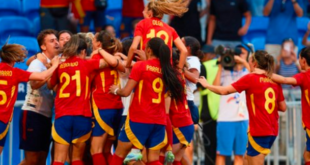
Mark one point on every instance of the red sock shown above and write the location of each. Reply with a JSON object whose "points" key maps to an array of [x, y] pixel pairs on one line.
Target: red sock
{"points": [[177, 163], [162, 159], [307, 163], [77, 162], [58, 163], [169, 133], [116, 160], [154, 163], [108, 157], [98, 159]]}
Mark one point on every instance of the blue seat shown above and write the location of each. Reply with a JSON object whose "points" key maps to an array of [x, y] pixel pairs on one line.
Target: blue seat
{"points": [[31, 8], [30, 43], [115, 5], [302, 26], [258, 28], [259, 43], [36, 28], [10, 8], [14, 26]]}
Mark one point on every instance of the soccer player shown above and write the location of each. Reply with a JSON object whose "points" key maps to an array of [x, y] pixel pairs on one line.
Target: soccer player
{"points": [[72, 104], [145, 124], [264, 99], [107, 108], [10, 77], [301, 79], [152, 26]]}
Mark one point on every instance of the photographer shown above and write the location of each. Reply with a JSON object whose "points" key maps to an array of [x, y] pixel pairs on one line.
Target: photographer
{"points": [[232, 122]]}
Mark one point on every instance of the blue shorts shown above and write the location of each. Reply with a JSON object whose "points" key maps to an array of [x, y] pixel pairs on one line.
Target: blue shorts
{"points": [[231, 137], [107, 121], [308, 140], [152, 136], [183, 135], [71, 129], [4, 128], [194, 111], [260, 145], [97, 16], [34, 131], [127, 24]]}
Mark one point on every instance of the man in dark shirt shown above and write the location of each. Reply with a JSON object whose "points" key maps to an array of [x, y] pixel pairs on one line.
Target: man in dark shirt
{"points": [[225, 23]]}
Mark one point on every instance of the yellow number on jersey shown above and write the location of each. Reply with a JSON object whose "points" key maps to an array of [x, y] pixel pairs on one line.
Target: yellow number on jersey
{"points": [[158, 34], [113, 73], [269, 100], [116, 79], [158, 90], [2, 93], [66, 76]]}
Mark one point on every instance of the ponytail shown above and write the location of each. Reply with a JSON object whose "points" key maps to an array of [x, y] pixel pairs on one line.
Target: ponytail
{"points": [[170, 75]]}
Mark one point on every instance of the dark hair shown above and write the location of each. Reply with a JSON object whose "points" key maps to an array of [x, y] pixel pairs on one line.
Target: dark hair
{"points": [[170, 75], [264, 61], [175, 58], [12, 53], [43, 34], [108, 42], [62, 32], [195, 46], [74, 46], [126, 45], [305, 53]]}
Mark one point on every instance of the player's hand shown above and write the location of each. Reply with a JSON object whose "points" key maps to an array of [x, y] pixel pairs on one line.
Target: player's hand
{"points": [[55, 61], [242, 31], [113, 88], [140, 55], [202, 80]]}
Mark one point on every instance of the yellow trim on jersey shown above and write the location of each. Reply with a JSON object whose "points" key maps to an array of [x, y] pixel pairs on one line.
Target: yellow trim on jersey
{"points": [[306, 129], [58, 138], [180, 136], [162, 144], [131, 136], [3, 134], [102, 124], [82, 139], [140, 90], [78, 6], [257, 147]]}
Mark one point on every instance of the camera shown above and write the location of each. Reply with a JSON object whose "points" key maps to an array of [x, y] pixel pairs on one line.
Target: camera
{"points": [[227, 56]]}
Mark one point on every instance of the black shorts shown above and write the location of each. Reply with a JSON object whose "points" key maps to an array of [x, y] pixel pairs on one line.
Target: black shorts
{"points": [[34, 131]]}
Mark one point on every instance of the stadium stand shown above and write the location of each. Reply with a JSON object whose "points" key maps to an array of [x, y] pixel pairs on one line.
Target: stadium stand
{"points": [[10, 8], [31, 9]]}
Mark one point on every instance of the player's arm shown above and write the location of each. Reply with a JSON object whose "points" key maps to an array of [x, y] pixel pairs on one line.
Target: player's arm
{"points": [[211, 28], [191, 75], [124, 92], [283, 80], [111, 60], [282, 106], [132, 49], [221, 90], [43, 76], [183, 51], [217, 80]]}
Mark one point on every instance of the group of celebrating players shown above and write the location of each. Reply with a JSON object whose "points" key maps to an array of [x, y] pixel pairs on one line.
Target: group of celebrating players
{"points": [[159, 119]]}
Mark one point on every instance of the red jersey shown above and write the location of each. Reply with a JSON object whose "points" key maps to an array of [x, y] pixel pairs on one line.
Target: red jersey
{"points": [[88, 5], [72, 77], [133, 8], [154, 27], [148, 104], [180, 114], [55, 3], [103, 80], [9, 79], [262, 97], [303, 80]]}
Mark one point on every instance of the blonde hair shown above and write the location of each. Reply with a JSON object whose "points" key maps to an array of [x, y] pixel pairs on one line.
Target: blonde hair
{"points": [[170, 7], [264, 61], [13, 53]]}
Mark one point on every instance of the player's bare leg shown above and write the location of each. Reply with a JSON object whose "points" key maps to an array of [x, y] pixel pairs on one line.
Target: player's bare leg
{"points": [[97, 143], [256, 160], [60, 152], [78, 151], [307, 157]]}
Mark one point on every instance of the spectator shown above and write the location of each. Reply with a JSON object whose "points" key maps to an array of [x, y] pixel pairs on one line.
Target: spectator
{"points": [[287, 59], [63, 37], [209, 104], [225, 22], [305, 41], [232, 121], [131, 11], [110, 29], [189, 23], [92, 13], [208, 53], [54, 13], [256, 7], [282, 23]]}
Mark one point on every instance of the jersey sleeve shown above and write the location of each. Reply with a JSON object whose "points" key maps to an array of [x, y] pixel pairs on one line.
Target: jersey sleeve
{"points": [[242, 84], [54, 79], [96, 56], [92, 64], [299, 79], [139, 31], [194, 63], [136, 72], [23, 76]]}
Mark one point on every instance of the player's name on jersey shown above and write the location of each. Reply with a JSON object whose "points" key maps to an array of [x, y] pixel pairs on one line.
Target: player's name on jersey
{"points": [[265, 80], [5, 73], [71, 64], [157, 22], [153, 69]]}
